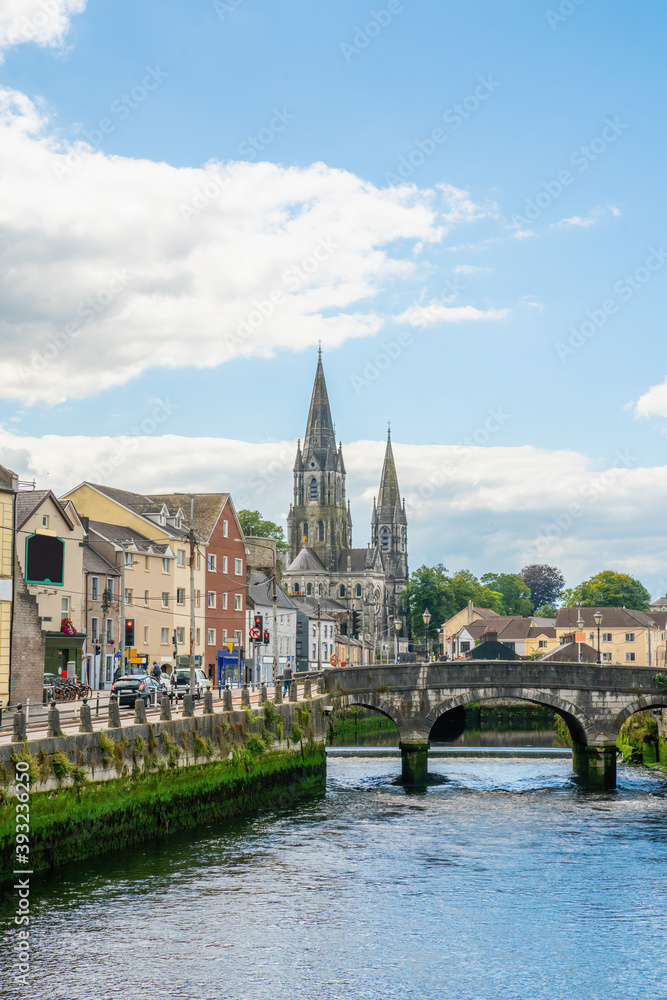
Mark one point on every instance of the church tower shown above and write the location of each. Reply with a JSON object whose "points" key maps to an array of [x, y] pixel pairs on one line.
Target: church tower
{"points": [[319, 518], [389, 527]]}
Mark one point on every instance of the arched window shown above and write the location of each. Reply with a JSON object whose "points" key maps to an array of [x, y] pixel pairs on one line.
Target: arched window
{"points": [[309, 589], [312, 488], [341, 590], [319, 589], [320, 531], [358, 590], [384, 539], [305, 532], [296, 588]]}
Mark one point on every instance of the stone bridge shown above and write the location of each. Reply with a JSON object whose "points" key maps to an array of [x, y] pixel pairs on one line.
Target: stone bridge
{"points": [[593, 700]]}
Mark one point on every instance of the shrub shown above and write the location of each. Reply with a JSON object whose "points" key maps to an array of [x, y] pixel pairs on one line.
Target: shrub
{"points": [[270, 712], [279, 731], [139, 744], [297, 733], [62, 765], [255, 746], [34, 769]]}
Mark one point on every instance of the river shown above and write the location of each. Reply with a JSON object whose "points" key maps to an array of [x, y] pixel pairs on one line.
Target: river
{"points": [[503, 880]]}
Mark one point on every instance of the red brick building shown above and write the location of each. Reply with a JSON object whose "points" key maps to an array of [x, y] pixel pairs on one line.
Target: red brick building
{"points": [[222, 545]]}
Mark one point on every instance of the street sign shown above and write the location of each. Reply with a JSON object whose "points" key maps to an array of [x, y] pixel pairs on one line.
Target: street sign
{"points": [[255, 633]]}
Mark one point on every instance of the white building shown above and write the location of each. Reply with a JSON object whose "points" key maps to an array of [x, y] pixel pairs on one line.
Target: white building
{"points": [[282, 638]]}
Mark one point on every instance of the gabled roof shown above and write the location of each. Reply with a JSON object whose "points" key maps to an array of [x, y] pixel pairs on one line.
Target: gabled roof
{"points": [[307, 606], [140, 504], [29, 501], [510, 628], [360, 560], [611, 618], [94, 562], [117, 533], [307, 561], [207, 509], [569, 652], [262, 594]]}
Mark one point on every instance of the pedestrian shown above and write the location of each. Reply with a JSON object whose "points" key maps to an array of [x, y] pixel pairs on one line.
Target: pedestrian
{"points": [[156, 670], [287, 678]]}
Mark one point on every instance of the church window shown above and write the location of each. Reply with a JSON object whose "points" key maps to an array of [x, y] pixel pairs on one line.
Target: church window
{"points": [[309, 589], [313, 490], [342, 590], [320, 531], [384, 539], [296, 588], [358, 590], [305, 532], [319, 589]]}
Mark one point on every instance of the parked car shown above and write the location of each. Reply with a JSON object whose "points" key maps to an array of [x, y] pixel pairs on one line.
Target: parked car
{"points": [[133, 686], [180, 682]]}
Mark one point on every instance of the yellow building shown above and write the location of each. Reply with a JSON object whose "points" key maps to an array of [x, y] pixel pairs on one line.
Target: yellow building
{"points": [[8, 486], [626, 636]]}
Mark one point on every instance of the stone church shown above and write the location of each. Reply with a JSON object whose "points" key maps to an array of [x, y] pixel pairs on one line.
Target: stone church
{"points": [[323, 565]]}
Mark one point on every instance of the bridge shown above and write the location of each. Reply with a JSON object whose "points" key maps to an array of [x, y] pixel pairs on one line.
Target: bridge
{"points": [[593, 700]]}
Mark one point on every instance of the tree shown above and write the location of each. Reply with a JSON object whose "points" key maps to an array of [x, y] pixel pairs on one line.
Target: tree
{"points": [[609, 589], [544, 582], [545, 611], [253, 523], [443, 595], [516, 598]]}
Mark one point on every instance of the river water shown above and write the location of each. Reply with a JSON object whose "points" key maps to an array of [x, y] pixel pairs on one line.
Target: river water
{"points": [[503, 880]]}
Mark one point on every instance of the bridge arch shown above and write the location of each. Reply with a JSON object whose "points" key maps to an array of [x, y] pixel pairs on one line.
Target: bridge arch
{"points": [[367, 700], [581, 727], [642, 704]]}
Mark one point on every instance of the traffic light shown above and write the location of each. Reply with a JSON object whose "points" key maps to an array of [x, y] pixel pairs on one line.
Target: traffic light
{"points": [[266, 638], [259, 623], [129, 632], [356, 622]]}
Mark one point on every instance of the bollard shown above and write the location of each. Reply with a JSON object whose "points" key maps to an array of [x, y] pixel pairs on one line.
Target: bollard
{"points": [[27, 710], [208, 703], [245, 696], [0, 713], [263, 695], [54, 720], [188, 706], [314, 687], [165, 713], [227, 702], [307, 688], [294, 690], [114, 713], [278, 694], [139, 710], [19, 731], [85, 719], [97, 704]]}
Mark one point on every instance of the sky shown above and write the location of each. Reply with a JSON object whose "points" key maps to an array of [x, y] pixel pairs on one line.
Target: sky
{"points": [[464, 201]]}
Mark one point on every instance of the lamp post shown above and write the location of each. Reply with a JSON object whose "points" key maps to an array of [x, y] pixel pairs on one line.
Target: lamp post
{"points": [[597, 618], [397, 629], [580, 625], [426, 617]]}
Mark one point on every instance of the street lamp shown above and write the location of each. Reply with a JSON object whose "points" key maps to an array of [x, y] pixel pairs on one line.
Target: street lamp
{"points": [[426, 617], [580, 625], [397, 629], [597, 618]]}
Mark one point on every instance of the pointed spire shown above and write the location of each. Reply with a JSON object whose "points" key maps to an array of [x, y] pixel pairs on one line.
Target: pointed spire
{"points": [[389, 496], [320, 439], [298, 461]]}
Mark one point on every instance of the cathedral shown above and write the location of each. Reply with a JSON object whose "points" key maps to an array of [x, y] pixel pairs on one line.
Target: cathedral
{"points": [[323, 564]]}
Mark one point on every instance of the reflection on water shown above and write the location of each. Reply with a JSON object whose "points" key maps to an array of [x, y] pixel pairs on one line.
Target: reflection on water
{"points": [[504, 881]]}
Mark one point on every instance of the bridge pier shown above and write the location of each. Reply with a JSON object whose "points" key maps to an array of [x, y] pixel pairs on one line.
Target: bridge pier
{"points": [[596, 764], [414, 762]]}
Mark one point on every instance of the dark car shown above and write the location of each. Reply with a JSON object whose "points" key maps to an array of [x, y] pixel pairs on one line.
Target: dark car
{"points": [[133, 686]]}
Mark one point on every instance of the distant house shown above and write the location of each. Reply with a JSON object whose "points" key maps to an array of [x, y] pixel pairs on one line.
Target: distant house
{"points": [[626, 636], [524, 636], [572, 652], [489, 648], [449, 629]]}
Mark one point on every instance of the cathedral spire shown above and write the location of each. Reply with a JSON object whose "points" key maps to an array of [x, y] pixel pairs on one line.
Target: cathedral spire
{"points": [[389, 496], [320, 439]]}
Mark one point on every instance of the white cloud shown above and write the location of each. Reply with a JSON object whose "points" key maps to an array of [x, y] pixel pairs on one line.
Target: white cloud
{"points": [[530, 303], [110, 266], [44, 22], [484, 508], [584, 221], [653, 403], [522, 234], [470, 269], [435, 312]]}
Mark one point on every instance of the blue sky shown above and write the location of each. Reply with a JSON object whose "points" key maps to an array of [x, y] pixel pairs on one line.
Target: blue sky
{"points": [[576, 95]]}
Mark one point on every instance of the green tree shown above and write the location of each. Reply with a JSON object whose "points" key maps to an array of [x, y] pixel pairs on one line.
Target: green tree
{"points": [[609, 589], [545, 611], [443, 595], [253, 523], [515, 593]]}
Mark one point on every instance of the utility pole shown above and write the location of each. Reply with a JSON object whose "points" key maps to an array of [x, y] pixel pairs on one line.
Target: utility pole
{"points": [[106, 604], [319, 638], [363, 631], [274, 600], [121, 637], [348, 637], [192, 594]]}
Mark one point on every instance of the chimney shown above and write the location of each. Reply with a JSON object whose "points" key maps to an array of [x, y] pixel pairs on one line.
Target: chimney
{"points": [[490, 635], [470, 613]]}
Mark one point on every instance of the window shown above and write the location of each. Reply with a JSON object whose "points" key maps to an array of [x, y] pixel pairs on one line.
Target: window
{"points": [[165, 599], [237, 637], [314, 653], [224, 635], [211, 564], [309, 589], [296, 588], [128, 560], [299, 647], [320, 531], [198, 598], [128, 595], [145, 635], [180, 595], [210, 637], [225, 529], [324, 650], [630, 657], [165, 565], [210, 599], [199, 560], [319, 589], [305, 532], [341, 590], [109, 629], [45, 520], [94, 588], [629, 636], [606, 657], [146, 598], [465, 646], [358, 590], [94, 629], [238, 567], [164, 636], [299, 625], [384, 539], [198, 637], [180, 636], [225, 568], [312, 490], [110, 587], [607, 637], [224, 601], [64, 607], [147, 564], [238, 602], [542, 643], [180, 557]]}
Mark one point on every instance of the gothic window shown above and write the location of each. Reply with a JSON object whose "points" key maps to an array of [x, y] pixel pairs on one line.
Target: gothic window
{"points": [[319, 589], [296, 588], [384, 539], [320, 531], [358, 590], [342, 590], [305, 532], [309, 589], [312, 494]]}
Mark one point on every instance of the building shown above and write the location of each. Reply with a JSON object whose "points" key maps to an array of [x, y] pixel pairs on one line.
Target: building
{"points": [[626, 636], [282, 637], [8, 490], [315, 636], [101, 587], [322, 562], [524, 636], [466, 616]]}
